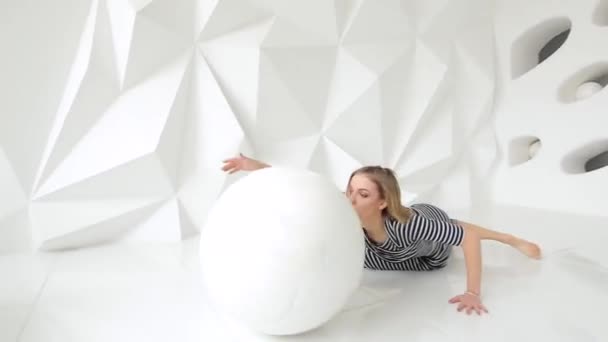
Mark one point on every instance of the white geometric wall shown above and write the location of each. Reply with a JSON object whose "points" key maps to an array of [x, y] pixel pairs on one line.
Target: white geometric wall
{"points": [[116, 114], [559, 107]]}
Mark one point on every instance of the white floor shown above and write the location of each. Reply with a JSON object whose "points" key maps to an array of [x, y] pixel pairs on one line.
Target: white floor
{"points": [[152, 293]]}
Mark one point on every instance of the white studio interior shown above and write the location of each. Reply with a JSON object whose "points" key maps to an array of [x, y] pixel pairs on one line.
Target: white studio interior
{"points": [[116, 117]]}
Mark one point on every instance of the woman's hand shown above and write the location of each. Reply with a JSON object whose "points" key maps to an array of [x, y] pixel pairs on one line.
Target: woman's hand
{"points": [[469, 302], [242, 163]]}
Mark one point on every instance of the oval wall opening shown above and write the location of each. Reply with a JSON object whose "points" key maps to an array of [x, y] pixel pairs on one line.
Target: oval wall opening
{"points": [[523, 149], [584, 83], [600, 15], [588, 158], [538, 44]]}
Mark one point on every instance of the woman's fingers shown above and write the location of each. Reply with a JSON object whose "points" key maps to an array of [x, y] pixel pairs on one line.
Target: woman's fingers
{"points": [[468, 304], [231, 166], [479, 309], [234, 159], [455, 299]]}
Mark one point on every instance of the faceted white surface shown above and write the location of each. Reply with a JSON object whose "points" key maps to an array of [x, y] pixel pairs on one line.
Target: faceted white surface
{"points": [[158, 92], [153, 292]]}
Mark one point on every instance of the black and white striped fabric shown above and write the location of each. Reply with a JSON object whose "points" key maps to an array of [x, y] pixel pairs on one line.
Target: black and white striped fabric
{"points": [[423, 243]]}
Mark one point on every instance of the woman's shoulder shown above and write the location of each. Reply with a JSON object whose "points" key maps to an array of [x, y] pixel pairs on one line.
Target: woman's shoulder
{"points": [[392, 222], [418, 212], [430, 211], [423, 205]]}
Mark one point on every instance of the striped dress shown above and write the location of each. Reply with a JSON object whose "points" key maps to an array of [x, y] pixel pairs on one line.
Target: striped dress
{"points": [[423, 243]]}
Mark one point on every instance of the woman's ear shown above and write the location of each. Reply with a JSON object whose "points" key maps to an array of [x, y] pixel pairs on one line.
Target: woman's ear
{"points": [[383, 205]]}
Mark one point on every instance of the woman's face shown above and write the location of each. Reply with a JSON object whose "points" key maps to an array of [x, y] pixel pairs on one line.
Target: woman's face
{"points": [[365, 197]]}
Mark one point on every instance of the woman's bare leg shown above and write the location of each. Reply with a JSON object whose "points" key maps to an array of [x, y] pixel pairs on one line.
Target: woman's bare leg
{"points": [[526, 247]]}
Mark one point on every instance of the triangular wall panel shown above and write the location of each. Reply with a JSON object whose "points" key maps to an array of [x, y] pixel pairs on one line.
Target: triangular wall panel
{"points": [[154, 94]]}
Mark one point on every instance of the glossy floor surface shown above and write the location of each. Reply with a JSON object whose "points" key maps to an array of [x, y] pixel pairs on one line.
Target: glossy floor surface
{"points": [[153, 293]]}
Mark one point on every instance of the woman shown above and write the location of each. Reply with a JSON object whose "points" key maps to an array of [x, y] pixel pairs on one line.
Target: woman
{"points": [[418, 238]]}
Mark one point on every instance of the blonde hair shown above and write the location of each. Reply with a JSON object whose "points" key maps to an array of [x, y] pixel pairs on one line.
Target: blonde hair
{"points": [[389, 189]]}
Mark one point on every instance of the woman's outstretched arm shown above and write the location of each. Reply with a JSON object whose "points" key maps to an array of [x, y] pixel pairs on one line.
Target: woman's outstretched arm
{"points": [[471, 299], [471, 246], [454, 233]]}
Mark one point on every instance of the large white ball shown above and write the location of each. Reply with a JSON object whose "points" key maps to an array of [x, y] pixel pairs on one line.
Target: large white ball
{"points": [[282, 251]]}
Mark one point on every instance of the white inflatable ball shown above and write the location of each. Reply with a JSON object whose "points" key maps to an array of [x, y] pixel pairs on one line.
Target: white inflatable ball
{"points": [[587, 89], [282, 250]]}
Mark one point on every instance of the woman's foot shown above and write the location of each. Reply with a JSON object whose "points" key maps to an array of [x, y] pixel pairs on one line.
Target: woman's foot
{"points": [[528, 248]]}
